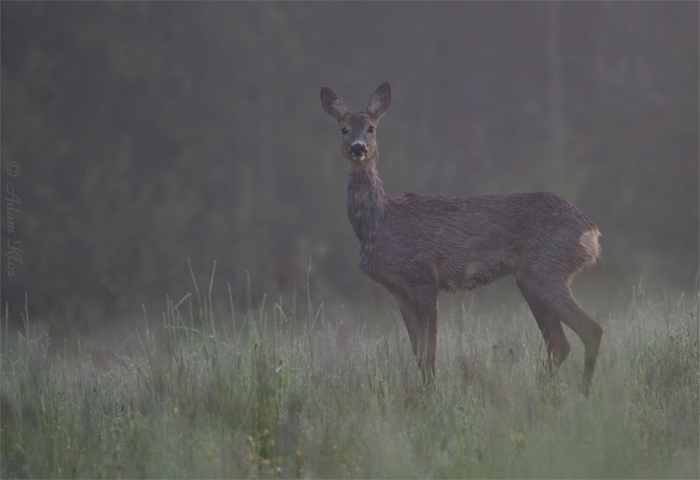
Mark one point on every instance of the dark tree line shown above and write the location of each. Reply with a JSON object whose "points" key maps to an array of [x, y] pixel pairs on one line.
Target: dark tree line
{"points": [[150, 133]]}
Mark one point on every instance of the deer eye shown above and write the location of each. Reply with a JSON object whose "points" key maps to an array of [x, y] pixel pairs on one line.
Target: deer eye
{"points": [[344, 131], [370, 130]]}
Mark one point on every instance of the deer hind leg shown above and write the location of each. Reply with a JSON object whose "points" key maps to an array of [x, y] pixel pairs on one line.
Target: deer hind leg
{"points": [[588, 330], [552, 303], [545, 312], [419, 311]]}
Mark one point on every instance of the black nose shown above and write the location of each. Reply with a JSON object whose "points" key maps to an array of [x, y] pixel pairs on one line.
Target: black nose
{"points": [[358, 149]]}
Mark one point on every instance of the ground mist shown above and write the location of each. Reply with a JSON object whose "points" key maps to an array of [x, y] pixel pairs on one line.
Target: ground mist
{"points": [[298, 392]]}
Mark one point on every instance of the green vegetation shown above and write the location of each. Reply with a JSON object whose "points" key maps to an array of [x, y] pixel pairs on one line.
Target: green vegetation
{"points": [[136, 134], [298, 392], [149, 132]]}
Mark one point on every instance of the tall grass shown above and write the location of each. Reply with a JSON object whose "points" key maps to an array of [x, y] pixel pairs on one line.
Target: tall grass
{"points": [[296, 393]]}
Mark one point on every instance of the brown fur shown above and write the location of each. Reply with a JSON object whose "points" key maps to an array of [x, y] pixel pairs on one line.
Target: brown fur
{"points": [[417, 245]]}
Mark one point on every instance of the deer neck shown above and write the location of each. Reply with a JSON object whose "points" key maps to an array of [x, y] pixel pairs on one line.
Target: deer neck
{"points": [[366, 203]]}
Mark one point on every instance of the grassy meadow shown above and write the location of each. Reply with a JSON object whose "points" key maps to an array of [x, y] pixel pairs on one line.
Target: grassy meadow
{"points": [[296, 391]]}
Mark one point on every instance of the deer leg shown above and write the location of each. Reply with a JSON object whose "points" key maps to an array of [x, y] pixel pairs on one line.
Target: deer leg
{"points": [[588, 330], [419, 311], [552, 303], [427, 316], [542, 305]]}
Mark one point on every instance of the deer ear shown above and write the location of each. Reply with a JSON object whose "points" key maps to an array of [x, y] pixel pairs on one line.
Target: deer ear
{"points": [[333, 104], [379, 101]]}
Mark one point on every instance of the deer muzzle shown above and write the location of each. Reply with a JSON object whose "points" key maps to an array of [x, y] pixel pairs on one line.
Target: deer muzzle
{"points": [[358, 150]]}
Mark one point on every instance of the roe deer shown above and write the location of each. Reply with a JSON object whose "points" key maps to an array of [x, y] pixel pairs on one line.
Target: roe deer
{"points": [[416, 245]]}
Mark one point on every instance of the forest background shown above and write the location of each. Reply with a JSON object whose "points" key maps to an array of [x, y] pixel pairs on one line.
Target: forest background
{"points": [[138, 136]]}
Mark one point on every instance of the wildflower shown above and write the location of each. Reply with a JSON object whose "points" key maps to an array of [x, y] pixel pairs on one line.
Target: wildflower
{"points": [[297, 453], [251, 458], [266, 462], [278, 459], [176, 410], [520, 443], [118, 448], [265, 432], [273, 442]]}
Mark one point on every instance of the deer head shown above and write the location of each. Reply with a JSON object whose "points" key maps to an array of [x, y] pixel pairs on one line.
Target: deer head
{"points": [[359, 142]]}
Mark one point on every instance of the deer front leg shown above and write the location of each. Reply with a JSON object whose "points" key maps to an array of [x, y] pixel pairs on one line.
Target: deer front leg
{"points": [[419, 312]]}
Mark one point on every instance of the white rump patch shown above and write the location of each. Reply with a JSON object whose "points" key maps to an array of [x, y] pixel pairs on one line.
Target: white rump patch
{"points": [[589, 242]]}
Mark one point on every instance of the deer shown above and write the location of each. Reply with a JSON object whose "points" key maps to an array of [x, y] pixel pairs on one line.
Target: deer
{"points": [[418, 245]]}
